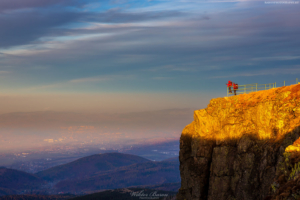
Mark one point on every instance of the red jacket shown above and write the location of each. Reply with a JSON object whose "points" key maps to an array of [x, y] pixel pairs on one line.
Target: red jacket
{"points": [[235, 86], [229, 84]]}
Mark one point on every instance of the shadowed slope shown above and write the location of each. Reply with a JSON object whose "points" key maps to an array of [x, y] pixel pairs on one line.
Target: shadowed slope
{"points": [[89, 165], [11, 179], [148, 173]]}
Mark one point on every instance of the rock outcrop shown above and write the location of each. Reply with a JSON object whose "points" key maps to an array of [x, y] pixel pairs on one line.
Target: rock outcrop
{"points": [[234, 148]]}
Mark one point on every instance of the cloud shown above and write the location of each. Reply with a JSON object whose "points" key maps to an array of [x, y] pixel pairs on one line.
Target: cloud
{"points": [[29, 129], [148, 44], [160, 119], [101, 78], [162, 78], [174, 68], [119, 16], [80, 81], [276, 58], [6, 5], [273, 71], [150, 55], [90, 79], [24, 28], [4, 72], [101, 102]]}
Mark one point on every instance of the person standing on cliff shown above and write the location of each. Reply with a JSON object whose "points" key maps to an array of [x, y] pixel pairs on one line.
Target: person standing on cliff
{"points": [[235, 87], [229, 84]]}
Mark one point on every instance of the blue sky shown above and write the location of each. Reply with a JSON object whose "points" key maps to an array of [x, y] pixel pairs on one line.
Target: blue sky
{"points": [[119, 56], [63, 46]]}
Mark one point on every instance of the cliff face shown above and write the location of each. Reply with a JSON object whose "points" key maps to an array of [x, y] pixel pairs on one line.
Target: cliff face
{"points": [[234, 148]]}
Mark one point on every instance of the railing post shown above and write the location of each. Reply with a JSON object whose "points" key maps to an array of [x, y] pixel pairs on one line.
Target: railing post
{"points": [[283, 83], [265, 86], [256, 87], [296, 80], [275, 84], [245, 89]]}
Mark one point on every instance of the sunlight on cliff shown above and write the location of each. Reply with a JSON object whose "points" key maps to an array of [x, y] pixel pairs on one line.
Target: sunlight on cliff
{"points": [[295, 147], [268, 114]]}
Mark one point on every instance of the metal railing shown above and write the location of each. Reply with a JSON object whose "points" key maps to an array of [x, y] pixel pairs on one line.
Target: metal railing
{"points": [[254, 87]]}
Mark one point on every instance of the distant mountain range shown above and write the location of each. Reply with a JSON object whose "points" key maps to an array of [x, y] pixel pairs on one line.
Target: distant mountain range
{"points": [[91, 174], [147, 173], [87, 166], [158, 151]]}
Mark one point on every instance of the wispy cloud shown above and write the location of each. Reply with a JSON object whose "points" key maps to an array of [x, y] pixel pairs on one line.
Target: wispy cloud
{"points": [[189, 41], [172, 68], [282, 70], [101, 78], [4, 72], [272, 58], [91, 79], [162, 78], [20, 4], [82, 81]]}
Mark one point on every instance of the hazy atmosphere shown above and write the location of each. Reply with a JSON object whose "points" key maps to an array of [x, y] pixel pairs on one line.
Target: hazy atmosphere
{"points": [[84, 71]]}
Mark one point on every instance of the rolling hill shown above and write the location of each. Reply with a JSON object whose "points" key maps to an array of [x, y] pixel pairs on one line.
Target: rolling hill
{"points": [[87, 166], [93, 174], [147, 173], [12, 180]]}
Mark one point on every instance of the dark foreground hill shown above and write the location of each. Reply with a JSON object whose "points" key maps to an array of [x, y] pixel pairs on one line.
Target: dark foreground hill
{"points": [[87, 166], [129, 194], [5, 191], [36, 197], [173, 187], [148, 173], [12, 181]]}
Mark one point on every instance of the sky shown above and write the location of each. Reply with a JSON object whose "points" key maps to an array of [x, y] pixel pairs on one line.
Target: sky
{"points": [[136, 59]]}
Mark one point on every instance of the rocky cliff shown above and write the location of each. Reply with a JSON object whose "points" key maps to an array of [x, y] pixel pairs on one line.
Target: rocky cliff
{"points": [[234, 148]]}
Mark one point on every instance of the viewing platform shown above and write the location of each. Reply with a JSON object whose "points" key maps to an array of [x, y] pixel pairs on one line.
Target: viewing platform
{"points": [[254, 87]]}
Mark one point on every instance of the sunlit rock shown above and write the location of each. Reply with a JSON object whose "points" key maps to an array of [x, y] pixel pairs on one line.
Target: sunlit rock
{"points": [[233, 147]]}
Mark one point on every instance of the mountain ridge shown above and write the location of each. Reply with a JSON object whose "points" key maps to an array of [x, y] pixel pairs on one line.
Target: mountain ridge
{"points": [[147, 173], [12, 180], [88, 165]]}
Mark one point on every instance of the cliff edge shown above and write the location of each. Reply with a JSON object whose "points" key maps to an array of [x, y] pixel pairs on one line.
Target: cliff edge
{"points": [[235, 148]]}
